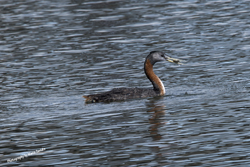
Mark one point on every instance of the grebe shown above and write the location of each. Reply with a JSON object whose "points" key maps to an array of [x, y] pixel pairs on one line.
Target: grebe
{"points": [[118, 94]]}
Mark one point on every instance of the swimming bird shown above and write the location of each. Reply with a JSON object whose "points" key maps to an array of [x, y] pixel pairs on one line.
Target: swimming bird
{"points": [[118, 94]]}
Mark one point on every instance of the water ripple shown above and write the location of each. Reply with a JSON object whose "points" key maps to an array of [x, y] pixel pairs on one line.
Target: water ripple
{"points": [[53, 53]]}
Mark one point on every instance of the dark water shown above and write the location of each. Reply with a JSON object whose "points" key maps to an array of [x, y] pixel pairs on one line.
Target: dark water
{"points": [[53, 52]]}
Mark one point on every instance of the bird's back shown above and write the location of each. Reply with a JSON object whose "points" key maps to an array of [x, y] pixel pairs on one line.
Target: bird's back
{"points": [[119, 94]]}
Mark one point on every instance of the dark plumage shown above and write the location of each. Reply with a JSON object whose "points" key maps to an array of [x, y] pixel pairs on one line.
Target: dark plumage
{"points": [[118, 94]]}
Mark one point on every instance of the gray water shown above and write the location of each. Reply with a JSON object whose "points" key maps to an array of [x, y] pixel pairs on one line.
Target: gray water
{"points": [[53, 52]]}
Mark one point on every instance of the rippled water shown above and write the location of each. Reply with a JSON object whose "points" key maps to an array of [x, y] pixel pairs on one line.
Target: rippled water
{"points": [[53, 52]]}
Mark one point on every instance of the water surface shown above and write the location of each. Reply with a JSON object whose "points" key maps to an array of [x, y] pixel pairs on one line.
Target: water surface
{"points": [[53, 52]]}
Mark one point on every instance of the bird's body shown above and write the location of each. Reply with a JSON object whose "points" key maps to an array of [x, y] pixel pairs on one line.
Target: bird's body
{"points": [[118, 94]]}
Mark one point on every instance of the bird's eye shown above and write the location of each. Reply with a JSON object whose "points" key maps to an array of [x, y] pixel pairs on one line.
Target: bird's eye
{"points": [[162, 55]]}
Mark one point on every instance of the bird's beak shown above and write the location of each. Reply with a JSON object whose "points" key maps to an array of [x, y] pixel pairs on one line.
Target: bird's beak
{"points": [[173, 60]]}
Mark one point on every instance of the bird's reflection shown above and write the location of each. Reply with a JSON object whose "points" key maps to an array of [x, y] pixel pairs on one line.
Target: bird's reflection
{"points": [[156, 118]]}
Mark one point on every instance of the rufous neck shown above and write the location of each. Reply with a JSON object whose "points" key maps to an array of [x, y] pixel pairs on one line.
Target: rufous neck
{"points": [[157, 84]]}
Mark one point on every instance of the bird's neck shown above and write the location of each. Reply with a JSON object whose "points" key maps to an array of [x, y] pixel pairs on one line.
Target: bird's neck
{"points": [[157, 83]]}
